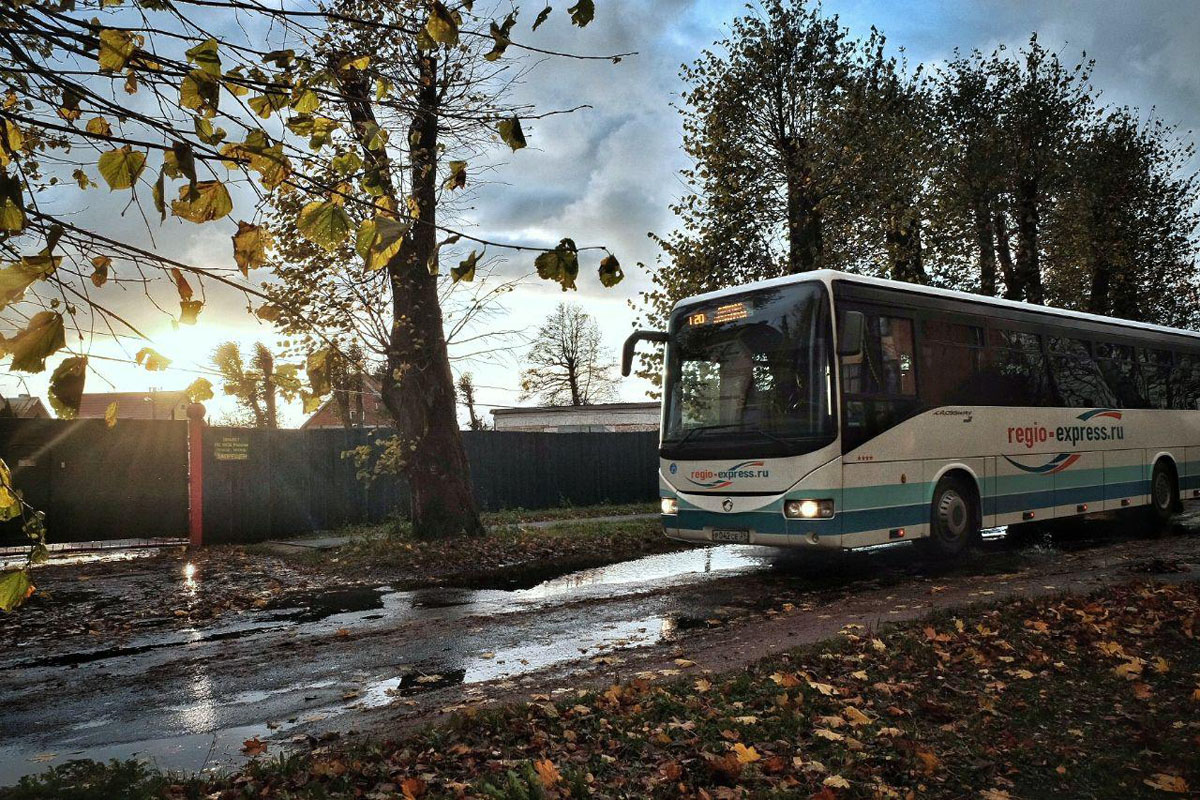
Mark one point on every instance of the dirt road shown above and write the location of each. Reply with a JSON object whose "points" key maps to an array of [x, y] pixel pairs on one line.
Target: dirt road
{"points": [[362, 657]]}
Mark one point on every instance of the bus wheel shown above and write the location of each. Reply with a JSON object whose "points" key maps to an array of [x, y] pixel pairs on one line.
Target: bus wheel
{"points": [[1164, 494], [954, 518]]}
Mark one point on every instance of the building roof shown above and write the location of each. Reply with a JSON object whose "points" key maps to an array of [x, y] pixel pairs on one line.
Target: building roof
{"points": [[26, 407], [576, 409], [328, 416], [132, 405], [827, 276]]}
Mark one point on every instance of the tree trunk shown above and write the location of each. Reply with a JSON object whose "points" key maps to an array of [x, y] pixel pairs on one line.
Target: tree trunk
{"points": [[573, 382], [269, 400], [418, 386], [1029, 266], [903, 238], [1013, 290], [985, 237], [805, 245], [342, 398]]}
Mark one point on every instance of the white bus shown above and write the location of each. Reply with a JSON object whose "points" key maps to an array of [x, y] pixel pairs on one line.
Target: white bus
{"points": [[838, 411]]}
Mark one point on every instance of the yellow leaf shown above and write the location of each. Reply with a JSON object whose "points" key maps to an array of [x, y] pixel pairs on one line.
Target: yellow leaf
{"points": [[121, 167], [836, 782], [250, 245], [745, 755], [929, 761], [204, 202], [855, 717], [100, 265], [115, 49], [703, 686], [825, 733], [254, 747], [786, 680], [152, 360], [1167, 783], [110, 415], [547, 773], [1129, 670]]}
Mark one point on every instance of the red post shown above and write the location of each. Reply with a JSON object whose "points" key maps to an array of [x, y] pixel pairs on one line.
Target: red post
{"points": [[195, 414]]}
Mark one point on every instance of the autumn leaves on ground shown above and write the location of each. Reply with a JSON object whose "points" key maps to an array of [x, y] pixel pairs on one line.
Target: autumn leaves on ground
{"points": [[1069, 696]]}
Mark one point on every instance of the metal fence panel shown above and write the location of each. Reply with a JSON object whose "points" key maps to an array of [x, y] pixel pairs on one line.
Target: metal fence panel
{"points": [[96, 482]]}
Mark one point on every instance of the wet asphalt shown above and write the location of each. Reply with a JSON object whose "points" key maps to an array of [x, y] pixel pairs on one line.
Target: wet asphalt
{"points": [[187, 700]]}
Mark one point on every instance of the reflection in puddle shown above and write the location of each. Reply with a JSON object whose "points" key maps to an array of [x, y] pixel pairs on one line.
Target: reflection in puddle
{"points": [[656, 568], [528, 657]]}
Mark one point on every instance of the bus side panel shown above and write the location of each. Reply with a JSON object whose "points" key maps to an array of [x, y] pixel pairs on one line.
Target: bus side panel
{"points": [[1080, 483], [1189, 473], [987, 491], [1126, 479], [1021, 489], [879, 497]]}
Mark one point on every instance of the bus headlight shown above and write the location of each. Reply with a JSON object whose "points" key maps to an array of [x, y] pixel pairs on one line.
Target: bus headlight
{"points": [[670, 505], [808, 509]]}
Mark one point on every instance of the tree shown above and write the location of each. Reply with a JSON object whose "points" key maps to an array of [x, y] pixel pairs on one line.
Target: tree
{"points": [[466, 390], [1122, 235], [238, 102], [755, 122], [257, 384], [568, 366]]}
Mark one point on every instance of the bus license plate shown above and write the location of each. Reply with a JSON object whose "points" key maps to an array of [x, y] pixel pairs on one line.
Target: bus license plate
{"points": [[734, 537]]}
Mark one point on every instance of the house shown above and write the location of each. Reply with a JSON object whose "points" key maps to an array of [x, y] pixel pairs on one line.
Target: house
{"points": [[375, 414], [153, 404], [579, 419], [23, 407]]}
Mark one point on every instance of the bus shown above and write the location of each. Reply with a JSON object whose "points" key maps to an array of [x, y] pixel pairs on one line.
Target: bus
{"points": [[839, 411]]}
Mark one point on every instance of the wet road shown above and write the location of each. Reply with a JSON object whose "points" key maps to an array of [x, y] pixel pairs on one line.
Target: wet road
{"points": [[188, 699]]}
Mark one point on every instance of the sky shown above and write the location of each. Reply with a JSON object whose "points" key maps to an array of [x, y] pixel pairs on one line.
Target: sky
{"points": [[606, 175]]}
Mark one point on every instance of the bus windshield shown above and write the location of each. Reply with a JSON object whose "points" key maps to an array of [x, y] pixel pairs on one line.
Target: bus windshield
{"points": [[751, 374]]}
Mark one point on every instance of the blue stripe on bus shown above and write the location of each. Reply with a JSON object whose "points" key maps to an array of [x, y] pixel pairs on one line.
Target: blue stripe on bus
{"points": [[896, 516]]}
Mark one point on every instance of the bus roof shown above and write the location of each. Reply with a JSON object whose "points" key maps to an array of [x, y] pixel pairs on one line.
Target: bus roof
{"points": [[827, 276]]}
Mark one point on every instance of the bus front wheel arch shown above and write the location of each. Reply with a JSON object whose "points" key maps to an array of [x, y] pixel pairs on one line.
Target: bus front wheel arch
{"points": [[1164, 492], [954, 515]]}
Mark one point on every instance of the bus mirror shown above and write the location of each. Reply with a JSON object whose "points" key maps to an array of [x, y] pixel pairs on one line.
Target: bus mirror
{"points": [[631, 343], [850, 333]]}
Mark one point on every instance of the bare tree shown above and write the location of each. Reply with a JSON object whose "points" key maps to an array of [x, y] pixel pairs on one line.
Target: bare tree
{"points": [[568, 365]]}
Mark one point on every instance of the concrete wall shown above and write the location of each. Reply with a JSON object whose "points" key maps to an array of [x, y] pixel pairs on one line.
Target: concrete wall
{"points": [[582, 419]]}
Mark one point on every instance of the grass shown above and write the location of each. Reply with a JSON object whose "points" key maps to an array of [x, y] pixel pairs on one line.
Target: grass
{"points": [[1066, 696], [507, 549]]}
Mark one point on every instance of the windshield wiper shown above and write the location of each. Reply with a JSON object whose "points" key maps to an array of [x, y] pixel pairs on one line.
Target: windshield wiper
{"points": [[693, 431], [770, 436]]}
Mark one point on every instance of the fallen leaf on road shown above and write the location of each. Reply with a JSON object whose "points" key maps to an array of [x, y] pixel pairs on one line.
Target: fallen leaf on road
{"points": [[413, 788], [745, 755], [1167, 783], [254, 747], [547, 772]]}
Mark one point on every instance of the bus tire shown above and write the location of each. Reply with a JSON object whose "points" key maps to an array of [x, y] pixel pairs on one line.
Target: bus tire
{"points": [[953, 517], [1164, 494]]}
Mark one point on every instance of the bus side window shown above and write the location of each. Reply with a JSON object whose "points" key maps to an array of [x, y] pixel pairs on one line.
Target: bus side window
{"points": [[1154, 372], [1017, 373], [1185, 389], [951, 356], [880, 383], [1121, 374], [1076, 375]]}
